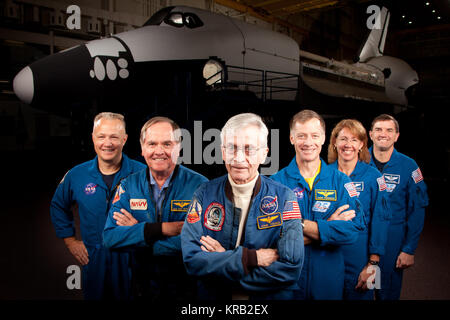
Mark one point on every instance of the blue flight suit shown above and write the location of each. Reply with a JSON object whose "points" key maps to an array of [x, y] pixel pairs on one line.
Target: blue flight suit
{"points": [[407, 199], [273, 221], [158, 264], [322, 276], [107, 273], [370, 185]]}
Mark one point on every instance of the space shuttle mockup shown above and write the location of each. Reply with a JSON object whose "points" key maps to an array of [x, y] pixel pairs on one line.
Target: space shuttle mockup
{"points": [[228, 51]]}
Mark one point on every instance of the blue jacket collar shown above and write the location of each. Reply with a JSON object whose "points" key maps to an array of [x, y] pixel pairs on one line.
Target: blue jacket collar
{"points": [[294, 172], [122, 173], [359, 170], [395, 155]]}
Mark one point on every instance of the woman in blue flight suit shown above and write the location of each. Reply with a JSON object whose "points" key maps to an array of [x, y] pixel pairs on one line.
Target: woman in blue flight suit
{"points": [[348, 152]]}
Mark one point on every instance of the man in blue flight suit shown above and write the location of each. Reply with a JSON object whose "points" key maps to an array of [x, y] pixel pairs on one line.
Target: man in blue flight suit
{"points": [[91, 185], [148, 212], [323, 194], [243, 236], [407, 198]]}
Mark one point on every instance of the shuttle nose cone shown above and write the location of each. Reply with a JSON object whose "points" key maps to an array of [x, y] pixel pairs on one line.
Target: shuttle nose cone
{"points": [[23, 85]]}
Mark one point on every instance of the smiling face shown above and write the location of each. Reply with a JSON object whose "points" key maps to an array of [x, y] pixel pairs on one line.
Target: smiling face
{"points": [[160, 149], [307, 138], [243, 153], [109, 137], [384, 135], [348, 145]]}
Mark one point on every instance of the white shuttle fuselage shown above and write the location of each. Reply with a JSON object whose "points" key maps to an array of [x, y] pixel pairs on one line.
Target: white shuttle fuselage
{"points": [[246, 54]]}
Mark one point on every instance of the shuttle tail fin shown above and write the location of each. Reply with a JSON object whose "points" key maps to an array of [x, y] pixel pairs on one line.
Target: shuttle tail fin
{"points": [[374, 44]]}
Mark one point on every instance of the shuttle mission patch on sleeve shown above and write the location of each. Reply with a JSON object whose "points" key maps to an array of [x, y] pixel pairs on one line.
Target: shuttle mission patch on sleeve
{"points": [[214, 216], [118, 193], [194, 213]]}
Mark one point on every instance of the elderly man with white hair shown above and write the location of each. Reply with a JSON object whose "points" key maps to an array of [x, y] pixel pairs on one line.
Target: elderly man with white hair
{"points": [[243, 236]]}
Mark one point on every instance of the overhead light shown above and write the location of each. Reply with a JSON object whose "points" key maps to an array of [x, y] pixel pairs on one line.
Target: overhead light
{"points": [[410, 22], [427, 3], [439, 18], [433, 11], [403, 16]]}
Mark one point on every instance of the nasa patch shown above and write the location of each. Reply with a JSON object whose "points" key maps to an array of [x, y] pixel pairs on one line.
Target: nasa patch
{"points": [[269, 204], [214, 217], [90, 188], [299, 192]]}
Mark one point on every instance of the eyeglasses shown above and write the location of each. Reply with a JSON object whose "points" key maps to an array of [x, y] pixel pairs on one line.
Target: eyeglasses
{"points": [[233, 150]]}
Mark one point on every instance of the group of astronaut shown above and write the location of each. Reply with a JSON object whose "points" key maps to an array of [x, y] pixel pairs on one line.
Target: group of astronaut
{"points": [[342, 230]]}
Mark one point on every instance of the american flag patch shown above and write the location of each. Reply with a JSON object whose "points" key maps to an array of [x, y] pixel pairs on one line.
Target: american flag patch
{"points": [[417, 175], [291, 211], [381, 184], [351, 189]]}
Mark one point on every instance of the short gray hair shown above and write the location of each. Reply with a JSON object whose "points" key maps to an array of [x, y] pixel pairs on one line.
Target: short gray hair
{"points": [[175, 128], [109, 116], [243, 120]]}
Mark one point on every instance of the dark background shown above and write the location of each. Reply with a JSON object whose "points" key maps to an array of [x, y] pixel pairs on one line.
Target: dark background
{"points": [[33, 261]]}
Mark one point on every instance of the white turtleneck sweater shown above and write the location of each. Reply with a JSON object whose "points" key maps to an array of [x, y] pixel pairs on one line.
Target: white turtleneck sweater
{"points": [[242, 194]]}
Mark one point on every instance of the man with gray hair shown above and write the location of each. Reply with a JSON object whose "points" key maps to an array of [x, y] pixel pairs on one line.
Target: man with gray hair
{"points": [[243, 236], [105, 274], [148, 213]]}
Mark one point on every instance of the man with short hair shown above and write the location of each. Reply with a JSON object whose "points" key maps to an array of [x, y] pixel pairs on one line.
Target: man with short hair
{"points": [[148, 212], [243, 237], [323, 194], [105, 273], [407, 198]]}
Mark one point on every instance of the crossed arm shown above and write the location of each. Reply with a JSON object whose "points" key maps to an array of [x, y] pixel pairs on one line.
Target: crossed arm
{"points": [[311, 229]]}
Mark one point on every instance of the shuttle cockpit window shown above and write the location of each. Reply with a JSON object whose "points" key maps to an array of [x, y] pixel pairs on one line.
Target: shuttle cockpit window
{"points": [[191, 20], [188, 19], [175, 19]]}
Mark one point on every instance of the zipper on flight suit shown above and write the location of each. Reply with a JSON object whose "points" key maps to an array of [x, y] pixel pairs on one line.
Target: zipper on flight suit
{"points": [[308, 290]]}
